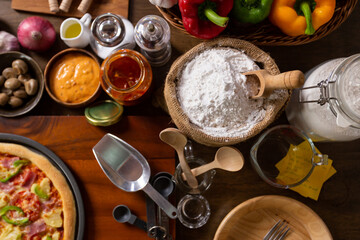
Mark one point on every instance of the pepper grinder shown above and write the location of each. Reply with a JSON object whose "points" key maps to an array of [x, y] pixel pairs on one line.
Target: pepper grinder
{"points": [[110, 33], [152, 34]]}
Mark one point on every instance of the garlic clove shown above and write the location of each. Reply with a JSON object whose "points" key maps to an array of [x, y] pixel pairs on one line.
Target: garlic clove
{"points": [[8, 42]]}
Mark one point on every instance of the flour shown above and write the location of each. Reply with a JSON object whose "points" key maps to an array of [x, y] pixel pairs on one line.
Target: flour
{"points": [[213, 94]]}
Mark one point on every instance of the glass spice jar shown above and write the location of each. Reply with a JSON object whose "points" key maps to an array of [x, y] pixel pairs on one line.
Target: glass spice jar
{"points": [[126, 76]]}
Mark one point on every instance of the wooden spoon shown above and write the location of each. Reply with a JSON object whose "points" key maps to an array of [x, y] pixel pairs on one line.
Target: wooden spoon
{"points": [[177, 140], [266, 82], [226, 158]]}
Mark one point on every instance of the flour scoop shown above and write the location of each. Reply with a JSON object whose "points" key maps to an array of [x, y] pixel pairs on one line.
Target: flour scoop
{"points": [[128, 169]]}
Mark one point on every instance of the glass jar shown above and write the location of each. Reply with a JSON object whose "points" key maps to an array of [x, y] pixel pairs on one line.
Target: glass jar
{"points": [[327, 108], [109, 33], [126, 76]]}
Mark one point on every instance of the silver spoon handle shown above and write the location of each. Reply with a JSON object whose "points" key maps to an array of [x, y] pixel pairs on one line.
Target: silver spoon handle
{"points": [[164, 204]]}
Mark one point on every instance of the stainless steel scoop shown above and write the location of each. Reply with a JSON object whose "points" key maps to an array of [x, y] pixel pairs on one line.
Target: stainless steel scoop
{"points": [[128, 169]]}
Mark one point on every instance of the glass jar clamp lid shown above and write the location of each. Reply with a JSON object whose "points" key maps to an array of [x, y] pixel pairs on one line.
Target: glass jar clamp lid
{"points": [[341, 91], [152, 34]]}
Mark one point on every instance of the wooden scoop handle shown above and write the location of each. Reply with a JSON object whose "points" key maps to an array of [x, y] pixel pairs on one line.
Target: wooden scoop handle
{"points": [[286, 80]]}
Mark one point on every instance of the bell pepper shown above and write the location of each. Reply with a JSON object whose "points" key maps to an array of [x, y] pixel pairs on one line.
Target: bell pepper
{"points": [[6, 209], [18, 164], [205, 18], [251, 11], [297, 17]]}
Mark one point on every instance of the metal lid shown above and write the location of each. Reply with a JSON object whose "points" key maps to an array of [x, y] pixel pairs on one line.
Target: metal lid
{"points": [[108, 29], [152, 33], [104, 113]]}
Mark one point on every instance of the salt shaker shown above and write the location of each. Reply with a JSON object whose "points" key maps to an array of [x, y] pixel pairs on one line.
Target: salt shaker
{"points": [[110, 33], [152, 34], [327, 108]]}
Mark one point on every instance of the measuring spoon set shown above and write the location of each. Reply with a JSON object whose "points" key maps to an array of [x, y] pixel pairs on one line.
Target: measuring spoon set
{"points": [[129, 170]]}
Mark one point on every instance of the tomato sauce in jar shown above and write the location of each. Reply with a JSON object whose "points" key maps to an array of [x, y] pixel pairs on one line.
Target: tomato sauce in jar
{"points": [[126, 76]]}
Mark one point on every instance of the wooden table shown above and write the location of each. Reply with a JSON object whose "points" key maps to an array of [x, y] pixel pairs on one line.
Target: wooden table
{"points": [[338, 204]]}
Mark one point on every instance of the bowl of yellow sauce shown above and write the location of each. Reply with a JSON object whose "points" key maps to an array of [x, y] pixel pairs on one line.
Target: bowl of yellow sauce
{"points": [[72, 77]]}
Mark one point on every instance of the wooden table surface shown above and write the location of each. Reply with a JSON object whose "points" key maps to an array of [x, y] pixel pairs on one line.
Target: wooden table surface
{"points": [[338, 203]]}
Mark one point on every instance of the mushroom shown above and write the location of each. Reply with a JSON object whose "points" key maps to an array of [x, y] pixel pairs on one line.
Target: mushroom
{"points": [[31, 87], [23, 78], [9, 73], [2, 80], [6, 91], [15, 101], [12, 83], [4, 98], [19, 66], [20, 93]]}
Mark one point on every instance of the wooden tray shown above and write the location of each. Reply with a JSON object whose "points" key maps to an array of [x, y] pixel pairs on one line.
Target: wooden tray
{"points": [[252, 219], [98, 7], [72, 138]]}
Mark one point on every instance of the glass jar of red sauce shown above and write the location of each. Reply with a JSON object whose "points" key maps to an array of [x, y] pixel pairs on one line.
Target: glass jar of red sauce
{"points": [[126, 76]]}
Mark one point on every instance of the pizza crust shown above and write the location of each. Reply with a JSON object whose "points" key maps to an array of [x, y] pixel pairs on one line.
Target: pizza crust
{"points": [[56, 177]]}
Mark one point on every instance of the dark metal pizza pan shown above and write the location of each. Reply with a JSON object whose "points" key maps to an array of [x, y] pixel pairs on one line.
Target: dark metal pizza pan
{"points": [[59, 164]]}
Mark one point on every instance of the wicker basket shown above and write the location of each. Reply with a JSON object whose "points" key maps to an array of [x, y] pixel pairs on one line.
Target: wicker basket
{"points": [[267, 34]]}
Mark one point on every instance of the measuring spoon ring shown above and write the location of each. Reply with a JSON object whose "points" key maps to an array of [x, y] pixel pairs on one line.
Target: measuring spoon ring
{"points": [[122, 214]]}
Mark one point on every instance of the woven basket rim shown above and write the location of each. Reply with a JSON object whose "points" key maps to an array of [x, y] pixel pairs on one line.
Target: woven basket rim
{"points": [[191, 130], [267, 34]]}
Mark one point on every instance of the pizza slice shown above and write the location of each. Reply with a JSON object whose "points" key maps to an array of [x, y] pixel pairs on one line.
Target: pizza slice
{"points": [[36, 202]]}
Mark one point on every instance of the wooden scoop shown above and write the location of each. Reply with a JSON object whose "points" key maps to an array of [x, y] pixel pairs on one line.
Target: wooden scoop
{"points": [[261, 83], [226, 158]]}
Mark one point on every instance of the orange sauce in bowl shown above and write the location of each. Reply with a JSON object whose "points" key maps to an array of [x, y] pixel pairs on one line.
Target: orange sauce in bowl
{"points": [[74, 78]]}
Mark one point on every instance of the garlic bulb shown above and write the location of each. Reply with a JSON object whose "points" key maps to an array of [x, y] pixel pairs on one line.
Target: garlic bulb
{"points": [[8, 42], [164, 3]]}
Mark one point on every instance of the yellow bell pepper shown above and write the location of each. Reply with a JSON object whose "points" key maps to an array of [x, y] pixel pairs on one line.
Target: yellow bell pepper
{"points": [[297, 17]]}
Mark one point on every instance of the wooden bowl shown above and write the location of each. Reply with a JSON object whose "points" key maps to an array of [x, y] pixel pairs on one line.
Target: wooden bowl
{"points": [[35, 72], [48, 79], [252, 219]]}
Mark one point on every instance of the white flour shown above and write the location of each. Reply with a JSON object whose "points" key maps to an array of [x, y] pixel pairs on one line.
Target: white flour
{"points": [[212, 93]]}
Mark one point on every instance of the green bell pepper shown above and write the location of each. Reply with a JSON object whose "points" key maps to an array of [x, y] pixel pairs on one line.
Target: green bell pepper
{"points": [[18, 164], [5, 209], [251, 11]]}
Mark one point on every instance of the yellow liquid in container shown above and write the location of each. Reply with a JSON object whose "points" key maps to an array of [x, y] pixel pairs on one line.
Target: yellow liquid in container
{"points": [[73, 30]]}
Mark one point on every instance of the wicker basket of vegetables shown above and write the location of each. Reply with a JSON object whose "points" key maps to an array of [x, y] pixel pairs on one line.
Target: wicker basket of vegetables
{"points": [[261, 22]]}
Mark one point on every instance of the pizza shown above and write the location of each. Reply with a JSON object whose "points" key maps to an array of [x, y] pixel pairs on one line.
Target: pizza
{"points": [[36, 202]]}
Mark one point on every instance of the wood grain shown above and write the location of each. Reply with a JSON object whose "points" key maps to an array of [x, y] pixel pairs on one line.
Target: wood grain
{"points": [[252, 219], [72, 139], [119, 7]]}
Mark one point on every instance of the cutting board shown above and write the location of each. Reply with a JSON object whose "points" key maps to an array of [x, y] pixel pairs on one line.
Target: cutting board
{"points": [[97, 7], [71, 138]]}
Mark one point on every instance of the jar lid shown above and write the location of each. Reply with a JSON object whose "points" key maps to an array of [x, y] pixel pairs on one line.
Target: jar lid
{"points": [[152, 33], [108, 29], [104, 113]]}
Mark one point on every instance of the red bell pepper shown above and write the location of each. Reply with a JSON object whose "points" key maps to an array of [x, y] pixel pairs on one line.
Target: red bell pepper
{"points": [[205, 18]]}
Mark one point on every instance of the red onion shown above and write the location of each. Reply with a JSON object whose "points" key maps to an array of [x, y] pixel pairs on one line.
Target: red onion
{"points": [[36, 33]]}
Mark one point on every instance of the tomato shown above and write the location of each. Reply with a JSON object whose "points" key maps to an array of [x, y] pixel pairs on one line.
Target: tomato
{"points": [[29, 203]]}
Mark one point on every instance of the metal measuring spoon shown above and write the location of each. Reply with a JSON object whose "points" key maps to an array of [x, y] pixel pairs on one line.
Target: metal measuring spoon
{"points": [[122, 214], [165, 186]]}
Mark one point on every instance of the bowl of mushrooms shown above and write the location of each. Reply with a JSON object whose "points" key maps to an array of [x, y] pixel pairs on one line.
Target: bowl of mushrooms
{"points": [[21, 84]]}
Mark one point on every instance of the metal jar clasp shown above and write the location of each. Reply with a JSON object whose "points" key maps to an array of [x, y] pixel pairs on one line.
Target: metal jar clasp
{"points": [[324, 93]]}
